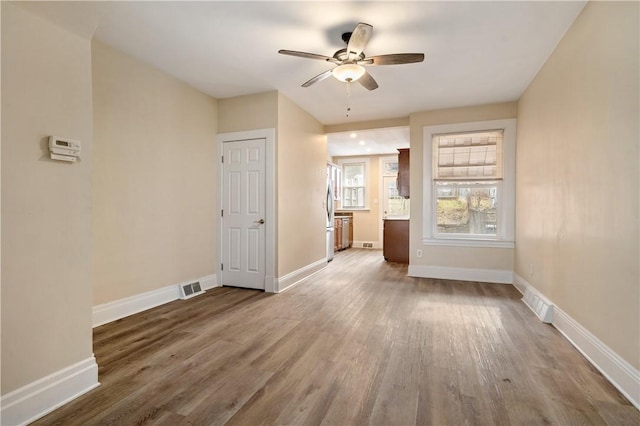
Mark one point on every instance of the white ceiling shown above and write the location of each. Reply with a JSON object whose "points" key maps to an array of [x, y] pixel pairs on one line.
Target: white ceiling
{"points": [[368, 142], [476, 52]]}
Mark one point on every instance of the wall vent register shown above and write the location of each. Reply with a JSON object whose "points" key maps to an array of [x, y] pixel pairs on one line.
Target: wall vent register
{"points": [[190, 290]]}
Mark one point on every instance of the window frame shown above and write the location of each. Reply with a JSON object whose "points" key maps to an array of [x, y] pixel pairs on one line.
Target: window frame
{"points": [[505, 232], [366, 184]]}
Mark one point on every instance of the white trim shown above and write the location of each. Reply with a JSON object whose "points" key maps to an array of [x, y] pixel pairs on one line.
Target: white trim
{"points": [[619, 372], [35, 400], [468, 243], [462, 274], [521, 284], [209, 281], [506, 196], [112, 311], [287, 281], [269, 135], [381, 195]]}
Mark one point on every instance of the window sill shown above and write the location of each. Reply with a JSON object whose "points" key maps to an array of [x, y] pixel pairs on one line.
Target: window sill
{"points": [[454, 242], [365, 209]]}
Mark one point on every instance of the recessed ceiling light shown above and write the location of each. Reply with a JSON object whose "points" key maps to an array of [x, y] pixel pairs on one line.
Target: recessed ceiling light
{"points": [[361, 142], [353, 135]]}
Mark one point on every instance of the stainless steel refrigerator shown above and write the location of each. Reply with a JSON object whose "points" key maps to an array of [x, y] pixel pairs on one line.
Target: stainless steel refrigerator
{"points": [[330, 221]]}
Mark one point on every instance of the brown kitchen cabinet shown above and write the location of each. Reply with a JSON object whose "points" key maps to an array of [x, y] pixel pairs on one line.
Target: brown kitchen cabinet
{"points": [[395, 243], [403, 172], [337, 237]]}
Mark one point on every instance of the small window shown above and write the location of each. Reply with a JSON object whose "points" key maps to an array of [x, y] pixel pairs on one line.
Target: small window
{"points": [[354, 184]]}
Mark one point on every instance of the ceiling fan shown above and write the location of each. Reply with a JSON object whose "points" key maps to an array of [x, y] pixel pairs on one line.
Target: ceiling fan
{"points": [[350, 62]]}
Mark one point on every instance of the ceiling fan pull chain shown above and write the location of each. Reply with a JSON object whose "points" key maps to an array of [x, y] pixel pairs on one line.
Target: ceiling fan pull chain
{"points": [[348, 98]]}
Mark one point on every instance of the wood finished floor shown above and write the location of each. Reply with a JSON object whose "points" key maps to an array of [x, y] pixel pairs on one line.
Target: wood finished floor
{"points": [[358, 343]]}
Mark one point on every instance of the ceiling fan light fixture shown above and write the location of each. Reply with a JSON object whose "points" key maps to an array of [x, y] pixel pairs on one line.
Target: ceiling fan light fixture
{"points": [[348, 72]]}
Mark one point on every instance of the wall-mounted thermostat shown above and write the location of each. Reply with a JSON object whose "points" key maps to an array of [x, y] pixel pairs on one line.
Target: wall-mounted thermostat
{"points": [[63, 149]]}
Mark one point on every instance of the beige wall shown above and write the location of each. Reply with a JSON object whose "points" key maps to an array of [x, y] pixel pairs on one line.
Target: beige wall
{"points": [[302, 173], [441, 256], [250, 112], [577, 177], [154, 179], [46, 204]]}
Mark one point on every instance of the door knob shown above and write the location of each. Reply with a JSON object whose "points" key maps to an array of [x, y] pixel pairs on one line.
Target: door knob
{"points": [[259, 222]]}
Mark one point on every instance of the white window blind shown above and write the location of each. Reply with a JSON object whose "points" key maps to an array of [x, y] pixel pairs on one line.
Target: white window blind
{"points": [[468, 156]]}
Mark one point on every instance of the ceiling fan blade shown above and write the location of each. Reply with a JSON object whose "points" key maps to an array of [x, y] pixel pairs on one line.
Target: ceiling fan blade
{"points": [[358, 40], [308, 55], [367, 81], [394, 59], [317, 78]]}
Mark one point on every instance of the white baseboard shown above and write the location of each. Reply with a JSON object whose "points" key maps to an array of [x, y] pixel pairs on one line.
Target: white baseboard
{"points": [[287, 281], [461, 274], [112, 311], [619, 372], [209, 282], [41, 397]]}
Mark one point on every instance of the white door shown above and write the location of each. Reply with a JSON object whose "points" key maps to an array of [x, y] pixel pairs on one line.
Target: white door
{"points": [[394, 205], [243, 214]]}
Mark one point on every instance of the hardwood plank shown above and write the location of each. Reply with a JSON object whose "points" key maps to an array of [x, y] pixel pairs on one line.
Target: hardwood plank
{"points": [[397, 399], [363, 366], [311, 397], [357, 343], [439, 400], [217, 403]]}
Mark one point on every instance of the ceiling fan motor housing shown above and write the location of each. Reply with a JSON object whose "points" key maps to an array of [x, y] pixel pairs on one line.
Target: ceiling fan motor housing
{"points": [[342, 55]]}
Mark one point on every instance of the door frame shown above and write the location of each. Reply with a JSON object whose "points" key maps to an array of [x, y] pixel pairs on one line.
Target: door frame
{"points": [[269, 135], [381, 193]]}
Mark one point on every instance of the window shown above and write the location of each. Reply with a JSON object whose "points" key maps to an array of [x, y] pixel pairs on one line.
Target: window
{"points": [[469, 198], [392, 203], [467, 172], [466, 209], [354, 183], [353, 186]]}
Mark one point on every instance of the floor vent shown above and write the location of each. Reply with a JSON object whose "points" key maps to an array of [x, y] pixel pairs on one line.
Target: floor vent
{"points": [[541, 307], [190, 290], [367, 245]]}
